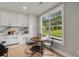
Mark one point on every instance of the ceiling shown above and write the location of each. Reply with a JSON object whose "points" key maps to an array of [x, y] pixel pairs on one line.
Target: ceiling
{"points": [[35, 8]]}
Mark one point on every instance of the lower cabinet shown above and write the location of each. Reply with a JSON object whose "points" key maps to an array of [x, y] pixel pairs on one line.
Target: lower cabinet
{"points": [[11, 41], [21, 41]]}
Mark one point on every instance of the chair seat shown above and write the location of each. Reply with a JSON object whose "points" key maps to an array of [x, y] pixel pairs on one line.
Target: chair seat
{"points": [[31, 43], [36, 48]]}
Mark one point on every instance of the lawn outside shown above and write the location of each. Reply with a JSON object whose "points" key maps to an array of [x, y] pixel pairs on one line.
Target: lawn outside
{"points": [[57, 33]]}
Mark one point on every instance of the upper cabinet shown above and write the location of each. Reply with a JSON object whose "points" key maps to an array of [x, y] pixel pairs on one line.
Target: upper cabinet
{"points": [[8, 18], [23, 20]]}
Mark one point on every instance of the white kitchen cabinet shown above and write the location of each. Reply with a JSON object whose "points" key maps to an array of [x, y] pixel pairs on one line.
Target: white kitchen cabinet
{"points": [[0, 17], [23, 20], [8, 18], [11, 41]]}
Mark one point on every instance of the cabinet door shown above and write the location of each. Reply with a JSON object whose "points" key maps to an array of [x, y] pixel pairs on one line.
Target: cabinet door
{"points": [[22, 20], [26, 20], [8, 18], [0, 17], [11, 41]]}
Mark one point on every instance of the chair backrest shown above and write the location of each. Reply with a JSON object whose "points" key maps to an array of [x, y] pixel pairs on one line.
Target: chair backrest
{"points": [[31, 43], [2, 42], [3, 50], [36, 48]]}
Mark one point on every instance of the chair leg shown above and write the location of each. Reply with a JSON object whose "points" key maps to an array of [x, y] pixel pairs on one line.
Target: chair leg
{"points": [[33, 54], [41, 53], [6, 55]]}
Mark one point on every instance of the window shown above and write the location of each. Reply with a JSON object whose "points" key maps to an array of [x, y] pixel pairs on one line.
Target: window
{"points": [[45, 27], [56, 24], [52, 24]]}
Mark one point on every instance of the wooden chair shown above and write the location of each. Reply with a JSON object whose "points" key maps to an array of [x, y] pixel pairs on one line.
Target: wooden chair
{"points": [[38, 47]]}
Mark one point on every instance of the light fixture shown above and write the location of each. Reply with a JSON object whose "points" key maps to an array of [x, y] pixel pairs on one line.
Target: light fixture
{"points": [[40, 3], [24, 8]]}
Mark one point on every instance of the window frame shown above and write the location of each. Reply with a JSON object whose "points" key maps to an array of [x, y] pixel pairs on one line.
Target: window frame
{"points": [[57, 25], [60, 7]]}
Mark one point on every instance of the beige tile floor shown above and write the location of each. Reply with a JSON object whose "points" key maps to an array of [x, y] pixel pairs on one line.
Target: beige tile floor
{"points": [[23, 51]]}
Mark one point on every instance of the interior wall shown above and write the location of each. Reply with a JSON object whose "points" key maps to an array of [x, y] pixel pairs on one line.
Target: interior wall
{"points": [[38, 24], [32, 25], [71, 30]]}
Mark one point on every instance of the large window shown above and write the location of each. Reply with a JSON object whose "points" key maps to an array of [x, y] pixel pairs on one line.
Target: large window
{"points": [[45, 26], [52, 24], [56, 24]]}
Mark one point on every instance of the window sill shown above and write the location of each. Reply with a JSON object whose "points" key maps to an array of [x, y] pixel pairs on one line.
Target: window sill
{"points": [[54, 37], [60, 42], [57, 40]]}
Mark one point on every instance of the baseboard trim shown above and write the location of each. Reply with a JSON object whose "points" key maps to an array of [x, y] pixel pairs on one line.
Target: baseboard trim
{"points": [[62, 53]]}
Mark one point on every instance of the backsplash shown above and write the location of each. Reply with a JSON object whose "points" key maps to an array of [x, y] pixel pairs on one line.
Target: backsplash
{"points": [[13, 30]]}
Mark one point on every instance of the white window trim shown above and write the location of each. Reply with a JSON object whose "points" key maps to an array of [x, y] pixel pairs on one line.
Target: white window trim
{"points": [[60, 7]]}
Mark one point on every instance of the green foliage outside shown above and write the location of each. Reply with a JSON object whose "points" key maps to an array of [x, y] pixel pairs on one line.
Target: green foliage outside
{"points": [[57, 32], [55, 25]]}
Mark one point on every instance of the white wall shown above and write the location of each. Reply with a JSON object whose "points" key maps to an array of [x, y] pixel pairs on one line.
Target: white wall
{"points": [[71, 30], [32, 25]]}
